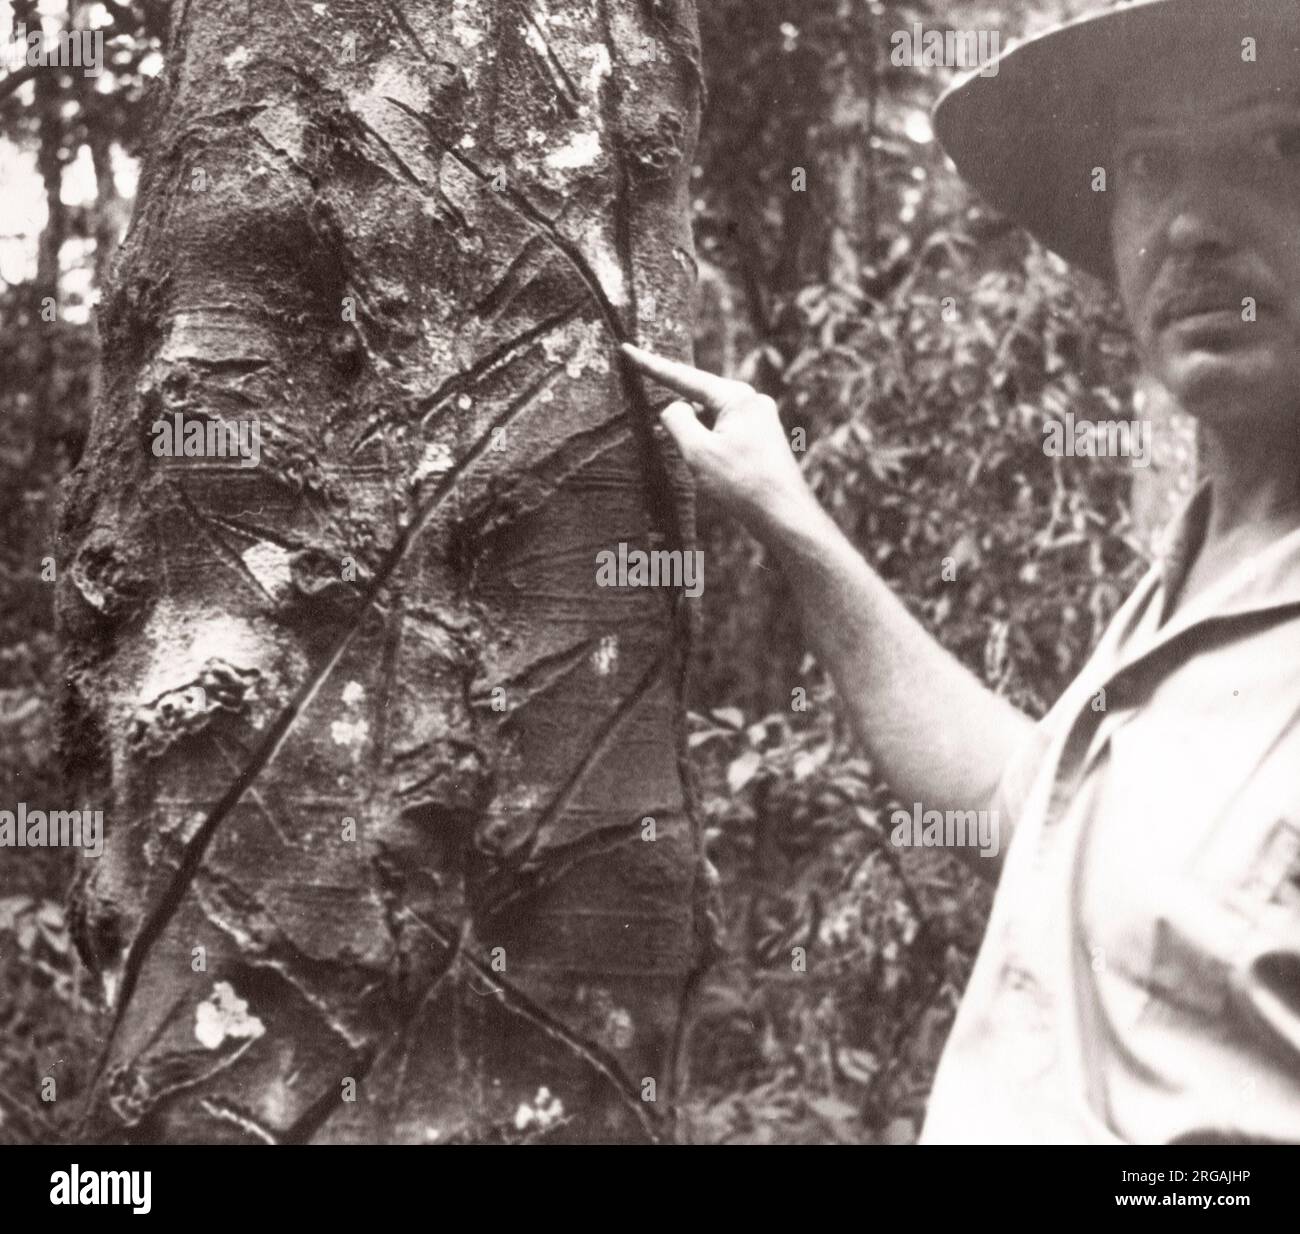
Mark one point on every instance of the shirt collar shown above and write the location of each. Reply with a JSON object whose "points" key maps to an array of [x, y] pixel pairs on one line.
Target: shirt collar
{"points": [[1265, 581]]}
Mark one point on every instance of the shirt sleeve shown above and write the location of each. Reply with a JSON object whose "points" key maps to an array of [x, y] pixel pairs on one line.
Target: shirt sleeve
{"points": [[1011, 797]]}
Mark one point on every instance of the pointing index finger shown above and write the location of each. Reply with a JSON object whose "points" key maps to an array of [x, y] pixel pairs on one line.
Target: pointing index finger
{"points": [[706, 388]]}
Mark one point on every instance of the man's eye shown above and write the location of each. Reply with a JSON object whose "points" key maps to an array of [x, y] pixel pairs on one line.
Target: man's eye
{"points": [[1283, 143], [1145, 163]]}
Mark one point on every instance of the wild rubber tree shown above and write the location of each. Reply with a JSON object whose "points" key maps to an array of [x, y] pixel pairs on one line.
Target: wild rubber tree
{"points": [[398, 842]]}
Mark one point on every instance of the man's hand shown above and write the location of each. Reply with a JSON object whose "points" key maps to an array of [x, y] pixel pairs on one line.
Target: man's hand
{"points": [[939, 736], [744, 462]]}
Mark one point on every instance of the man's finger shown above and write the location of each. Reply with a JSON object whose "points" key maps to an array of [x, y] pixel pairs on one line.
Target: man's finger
{"points": [[706, 388], [680, 420]]}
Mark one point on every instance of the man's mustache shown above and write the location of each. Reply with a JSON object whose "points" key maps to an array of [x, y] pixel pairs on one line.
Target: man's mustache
{"points": [[1187, 293]]}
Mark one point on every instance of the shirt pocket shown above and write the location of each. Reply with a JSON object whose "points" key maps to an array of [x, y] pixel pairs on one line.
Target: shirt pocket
{"points": [[1264, 979], [1236, 902]]}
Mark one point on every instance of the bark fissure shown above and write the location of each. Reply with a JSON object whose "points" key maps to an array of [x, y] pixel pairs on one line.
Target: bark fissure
{"points": [[156, 920], [590, 1054]]}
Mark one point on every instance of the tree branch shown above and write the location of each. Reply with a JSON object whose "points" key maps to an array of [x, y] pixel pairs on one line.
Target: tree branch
{"points": [[16, 79]]}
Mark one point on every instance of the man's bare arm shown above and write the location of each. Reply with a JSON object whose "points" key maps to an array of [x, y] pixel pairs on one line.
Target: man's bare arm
{"points": [[937, 735]]}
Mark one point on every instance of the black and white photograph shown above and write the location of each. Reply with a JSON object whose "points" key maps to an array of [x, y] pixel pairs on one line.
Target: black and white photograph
{"points": [[649, 576]]}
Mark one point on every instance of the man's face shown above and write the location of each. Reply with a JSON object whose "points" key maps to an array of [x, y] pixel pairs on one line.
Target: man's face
{"points": [[1206, 237]]}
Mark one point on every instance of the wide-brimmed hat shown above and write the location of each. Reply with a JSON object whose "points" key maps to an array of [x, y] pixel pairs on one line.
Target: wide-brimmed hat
{"points": [[1030, 136]]}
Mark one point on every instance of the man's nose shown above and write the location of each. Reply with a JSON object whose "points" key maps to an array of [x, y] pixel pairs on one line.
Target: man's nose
{"points": [[1202, 218]]}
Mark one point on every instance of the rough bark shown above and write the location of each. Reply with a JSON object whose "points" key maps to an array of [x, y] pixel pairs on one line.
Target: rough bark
{"points": [[258, 655]]}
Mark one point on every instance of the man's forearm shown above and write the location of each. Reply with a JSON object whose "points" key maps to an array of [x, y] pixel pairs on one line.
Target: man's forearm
{"points": [[934, 731]]}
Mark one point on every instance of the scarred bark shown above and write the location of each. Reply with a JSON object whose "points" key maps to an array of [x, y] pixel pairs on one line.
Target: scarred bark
{"points": [[406, 238]]}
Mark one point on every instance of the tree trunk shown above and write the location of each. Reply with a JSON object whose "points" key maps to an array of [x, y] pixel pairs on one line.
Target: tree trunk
{"points": [[376, 753]]}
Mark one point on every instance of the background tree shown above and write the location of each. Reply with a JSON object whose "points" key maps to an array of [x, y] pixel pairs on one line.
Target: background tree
{"points": [[57, 152]]}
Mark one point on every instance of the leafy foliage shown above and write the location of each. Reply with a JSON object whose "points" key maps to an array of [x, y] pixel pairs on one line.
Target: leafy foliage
{"points": [[922, 387]]}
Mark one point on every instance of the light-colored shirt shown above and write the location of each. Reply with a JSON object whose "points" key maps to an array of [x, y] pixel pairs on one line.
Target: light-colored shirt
{"points": [[1139, 980]]}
